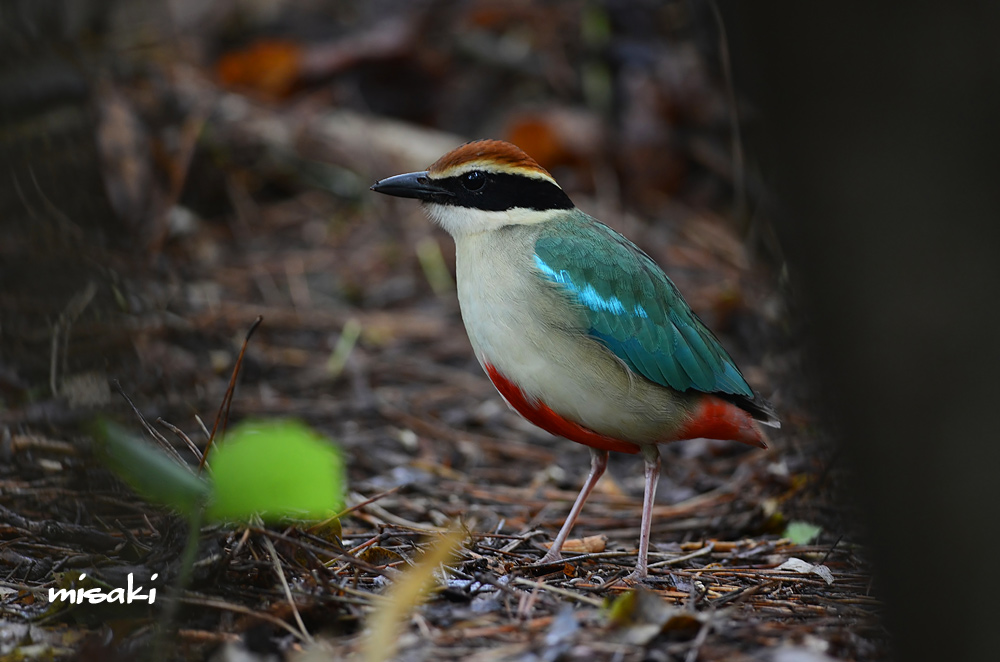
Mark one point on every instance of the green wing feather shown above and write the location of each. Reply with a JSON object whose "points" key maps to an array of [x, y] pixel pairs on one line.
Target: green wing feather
{"points": [[634, 309]]}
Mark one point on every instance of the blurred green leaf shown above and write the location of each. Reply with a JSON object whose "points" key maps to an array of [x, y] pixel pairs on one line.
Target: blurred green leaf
{"points": [[148, 470], [275, 469], [801, 533], [639, 616], [620, 610], [345, 345]]}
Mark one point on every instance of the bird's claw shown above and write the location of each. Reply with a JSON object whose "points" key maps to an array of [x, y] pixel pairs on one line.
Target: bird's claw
{"points": [[635, 577], [548, 559]]}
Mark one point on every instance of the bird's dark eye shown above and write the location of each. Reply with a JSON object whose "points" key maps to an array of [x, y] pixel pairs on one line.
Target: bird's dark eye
{"points": [[473, 181]]}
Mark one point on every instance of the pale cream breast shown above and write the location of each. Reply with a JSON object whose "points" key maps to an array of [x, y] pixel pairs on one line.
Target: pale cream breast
{"points": [[528, 330]]}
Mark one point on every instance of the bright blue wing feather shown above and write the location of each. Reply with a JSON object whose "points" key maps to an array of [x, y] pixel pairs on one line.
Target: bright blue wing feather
{"points": [[633, 308]]}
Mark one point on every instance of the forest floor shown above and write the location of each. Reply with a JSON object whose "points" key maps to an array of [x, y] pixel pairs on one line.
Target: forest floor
{"points": [[754, 552]]}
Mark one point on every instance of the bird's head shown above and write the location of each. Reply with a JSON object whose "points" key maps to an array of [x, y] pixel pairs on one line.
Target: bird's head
{"points": [[481, 186]]}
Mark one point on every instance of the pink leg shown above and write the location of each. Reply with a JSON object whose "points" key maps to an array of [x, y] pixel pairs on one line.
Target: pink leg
{"points": [[598, 463], [651, 455]]}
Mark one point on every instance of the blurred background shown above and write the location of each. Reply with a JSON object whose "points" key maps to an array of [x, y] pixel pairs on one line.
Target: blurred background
{"points": [[171, 169], [131, 126]]}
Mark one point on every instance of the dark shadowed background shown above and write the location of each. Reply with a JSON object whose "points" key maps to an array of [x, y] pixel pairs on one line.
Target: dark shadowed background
{"points": [[881, 127]]}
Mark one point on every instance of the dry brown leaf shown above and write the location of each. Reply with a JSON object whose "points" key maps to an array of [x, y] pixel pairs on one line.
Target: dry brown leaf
{"points": [[588, 545], [379, 556]]}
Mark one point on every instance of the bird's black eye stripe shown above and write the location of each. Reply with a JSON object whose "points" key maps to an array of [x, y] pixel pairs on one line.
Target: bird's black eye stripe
{"points": [[500, 191]]}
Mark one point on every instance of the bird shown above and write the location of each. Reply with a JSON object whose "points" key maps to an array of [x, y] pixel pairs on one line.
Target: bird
{"points": [[579, 330]]}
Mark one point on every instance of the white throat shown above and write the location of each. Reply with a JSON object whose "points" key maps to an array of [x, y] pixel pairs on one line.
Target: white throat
{"points": [[465, 221]]}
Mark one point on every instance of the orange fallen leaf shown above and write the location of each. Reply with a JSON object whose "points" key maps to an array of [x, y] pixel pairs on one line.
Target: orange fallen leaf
{"points": [[269, 66]]}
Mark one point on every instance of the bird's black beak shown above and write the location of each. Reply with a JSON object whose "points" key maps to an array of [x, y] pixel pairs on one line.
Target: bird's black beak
{"points": [[412, 185]]}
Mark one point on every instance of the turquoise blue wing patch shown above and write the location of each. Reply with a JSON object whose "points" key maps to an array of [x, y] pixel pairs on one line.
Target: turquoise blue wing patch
{"points": [[634, 309]]}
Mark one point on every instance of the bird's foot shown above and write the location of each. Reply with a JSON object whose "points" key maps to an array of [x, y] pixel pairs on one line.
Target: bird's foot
{"points": [[637, 576], [549, 558]]}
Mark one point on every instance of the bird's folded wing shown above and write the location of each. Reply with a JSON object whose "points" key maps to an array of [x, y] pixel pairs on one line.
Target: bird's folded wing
{"points": [[634, 309]]}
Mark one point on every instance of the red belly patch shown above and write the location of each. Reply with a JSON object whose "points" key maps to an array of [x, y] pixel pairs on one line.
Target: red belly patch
{"points": [[714, 418], [541, 415]]}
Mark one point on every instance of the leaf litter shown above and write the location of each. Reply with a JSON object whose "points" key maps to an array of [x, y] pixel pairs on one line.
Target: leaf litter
{"points": [[265, 212]]}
